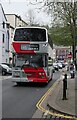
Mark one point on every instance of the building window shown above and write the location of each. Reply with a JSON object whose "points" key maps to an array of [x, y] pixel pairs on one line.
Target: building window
{"points": [[8, 40], [3, 38]]}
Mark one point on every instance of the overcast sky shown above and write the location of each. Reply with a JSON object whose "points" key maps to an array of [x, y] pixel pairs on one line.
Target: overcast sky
{"points": [[21, 8]]}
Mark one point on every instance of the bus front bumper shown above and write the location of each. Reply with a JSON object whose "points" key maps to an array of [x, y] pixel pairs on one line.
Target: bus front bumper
{"points": [[41, 80]]}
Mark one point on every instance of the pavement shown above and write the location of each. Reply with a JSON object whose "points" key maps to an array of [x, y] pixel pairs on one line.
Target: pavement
{"points": [[68, 106], [52, 105], [5, 77]]}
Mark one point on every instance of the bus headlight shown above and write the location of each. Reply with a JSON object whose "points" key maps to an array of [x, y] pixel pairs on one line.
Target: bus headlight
{"points": [[41, 74]]}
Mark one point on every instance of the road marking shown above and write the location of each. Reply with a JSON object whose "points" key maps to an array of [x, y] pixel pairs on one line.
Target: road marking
{"points": [[46, 113], [40, 107]]}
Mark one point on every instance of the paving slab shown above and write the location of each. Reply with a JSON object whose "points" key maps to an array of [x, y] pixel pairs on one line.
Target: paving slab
{"points": [[65, 106]]}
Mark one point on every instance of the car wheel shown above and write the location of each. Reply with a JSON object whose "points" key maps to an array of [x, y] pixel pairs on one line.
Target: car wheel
{"points": [[3, 73]]}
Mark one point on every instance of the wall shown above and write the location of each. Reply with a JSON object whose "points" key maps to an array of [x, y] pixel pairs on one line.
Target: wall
{"points": [[3, 37]]}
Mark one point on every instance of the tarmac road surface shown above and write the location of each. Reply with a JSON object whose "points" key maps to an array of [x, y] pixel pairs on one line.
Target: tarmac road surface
{"points": [[20, 101]]}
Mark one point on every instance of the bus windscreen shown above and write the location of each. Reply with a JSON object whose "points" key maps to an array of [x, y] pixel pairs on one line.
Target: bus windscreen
{"points": [[30, 34]]}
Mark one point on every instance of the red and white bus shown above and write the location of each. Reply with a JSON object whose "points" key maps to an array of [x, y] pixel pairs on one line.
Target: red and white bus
{"points": [[30, 55]]}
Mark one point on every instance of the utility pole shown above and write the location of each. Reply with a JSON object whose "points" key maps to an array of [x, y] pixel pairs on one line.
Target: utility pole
{"points": [[74, 33]]}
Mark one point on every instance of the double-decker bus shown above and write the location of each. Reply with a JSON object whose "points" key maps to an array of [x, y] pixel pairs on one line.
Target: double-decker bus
{"points": [[31, 51]]}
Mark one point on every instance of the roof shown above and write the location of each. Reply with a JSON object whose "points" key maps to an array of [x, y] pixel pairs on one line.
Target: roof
{"points": [[17, 17], [32, 27], [3, 11]]}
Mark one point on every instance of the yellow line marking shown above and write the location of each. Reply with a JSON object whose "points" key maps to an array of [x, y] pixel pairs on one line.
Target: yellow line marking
{"points": [[39, 104]]}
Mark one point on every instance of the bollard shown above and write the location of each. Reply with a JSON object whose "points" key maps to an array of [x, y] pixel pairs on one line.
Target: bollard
{"points": [[64, 87], [65, 80]]}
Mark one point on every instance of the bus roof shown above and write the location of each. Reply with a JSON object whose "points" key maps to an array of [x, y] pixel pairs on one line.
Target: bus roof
{"points": [[31, 27]]}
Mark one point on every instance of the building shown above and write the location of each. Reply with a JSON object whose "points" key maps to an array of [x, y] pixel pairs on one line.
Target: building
{"points": [[14, 21], [11, 31], [63, 53], [4, 37]]}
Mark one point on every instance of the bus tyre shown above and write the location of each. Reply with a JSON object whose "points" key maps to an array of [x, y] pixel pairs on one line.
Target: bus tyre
{"points": [[18, 83], [46, 83]]}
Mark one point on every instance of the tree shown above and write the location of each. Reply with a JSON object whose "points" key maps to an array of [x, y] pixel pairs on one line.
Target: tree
{"points": [[64, 14], [63, 17], [30, 16], [61, 36]]}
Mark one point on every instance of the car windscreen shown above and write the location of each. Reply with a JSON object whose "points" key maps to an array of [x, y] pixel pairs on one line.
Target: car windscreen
{"points": [[30, 34]]}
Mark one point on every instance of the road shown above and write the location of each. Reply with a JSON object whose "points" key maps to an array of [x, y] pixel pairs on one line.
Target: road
{"points": [[20, 101]]}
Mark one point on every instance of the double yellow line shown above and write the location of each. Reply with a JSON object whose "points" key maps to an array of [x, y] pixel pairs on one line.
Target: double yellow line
{"points": [[40, 102]]}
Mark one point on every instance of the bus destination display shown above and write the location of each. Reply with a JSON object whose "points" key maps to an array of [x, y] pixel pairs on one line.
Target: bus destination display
{"points": [[30, 47]]}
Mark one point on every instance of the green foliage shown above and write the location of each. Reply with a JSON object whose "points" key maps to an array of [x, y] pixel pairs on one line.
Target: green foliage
{"points": [[64, 20], [61, 35]]}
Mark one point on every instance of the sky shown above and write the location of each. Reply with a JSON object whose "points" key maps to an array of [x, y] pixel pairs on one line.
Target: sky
{"points": [[22, 7]]}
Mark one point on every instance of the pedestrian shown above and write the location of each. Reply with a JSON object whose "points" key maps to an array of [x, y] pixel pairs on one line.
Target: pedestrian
{"points": [[72, 70]]}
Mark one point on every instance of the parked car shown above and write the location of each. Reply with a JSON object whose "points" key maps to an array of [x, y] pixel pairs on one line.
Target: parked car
{"points": [[63, 65], [59, 65], [55, 66], [5, 69], [9, 65]]}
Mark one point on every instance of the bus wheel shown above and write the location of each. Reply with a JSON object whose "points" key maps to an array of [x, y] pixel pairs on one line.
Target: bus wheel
{"points": [[18, 83], [46, 83]]}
